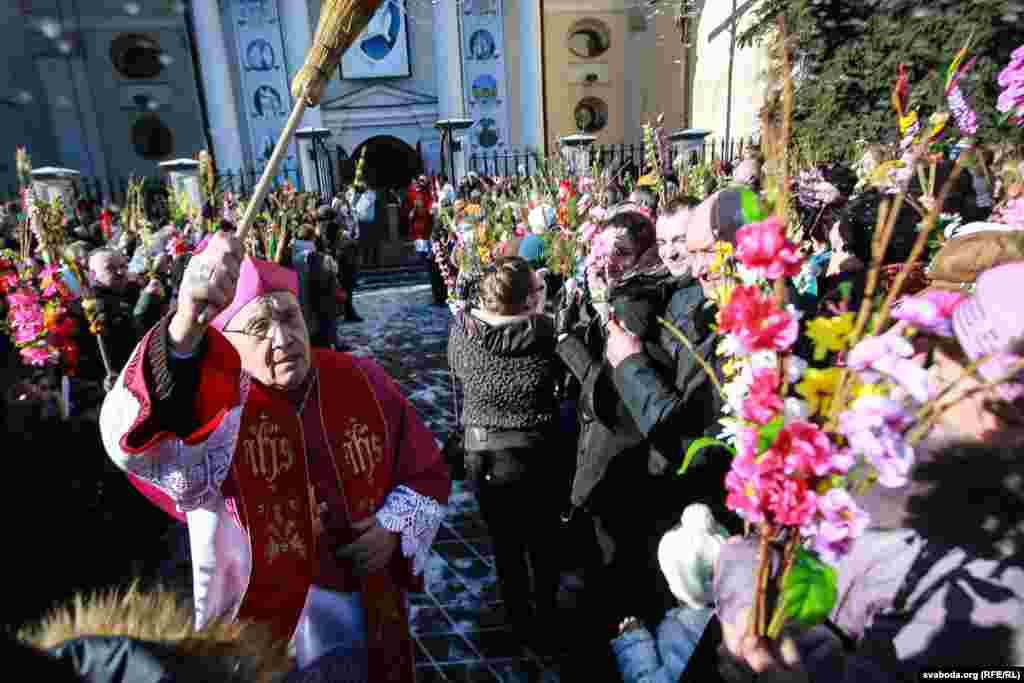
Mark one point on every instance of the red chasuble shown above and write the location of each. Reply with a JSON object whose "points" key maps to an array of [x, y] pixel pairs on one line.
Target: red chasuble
{"points": [[269, 487]]}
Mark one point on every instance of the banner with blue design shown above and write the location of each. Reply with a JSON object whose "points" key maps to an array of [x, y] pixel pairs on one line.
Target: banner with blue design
{"points": [[266, 99], [382, 49], [483, 68]]}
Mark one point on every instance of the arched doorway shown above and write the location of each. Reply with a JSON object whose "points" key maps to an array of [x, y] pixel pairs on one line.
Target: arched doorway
{"points": [[391, 164]]}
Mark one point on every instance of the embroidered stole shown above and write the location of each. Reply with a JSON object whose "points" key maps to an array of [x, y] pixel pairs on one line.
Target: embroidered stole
{"points": [[276, 506]]}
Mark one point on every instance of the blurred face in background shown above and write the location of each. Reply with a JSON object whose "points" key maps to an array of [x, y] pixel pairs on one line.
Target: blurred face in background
{"points": [[624, 254], [109, 269], [700, 244], [671, 236]]}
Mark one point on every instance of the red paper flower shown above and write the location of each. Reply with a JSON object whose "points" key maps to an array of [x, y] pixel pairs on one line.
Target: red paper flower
{"points": [[757, 322], [763, 248]]}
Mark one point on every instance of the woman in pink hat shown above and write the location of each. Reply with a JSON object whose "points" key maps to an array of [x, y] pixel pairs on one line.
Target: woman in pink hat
{"points": [[938, 580]]}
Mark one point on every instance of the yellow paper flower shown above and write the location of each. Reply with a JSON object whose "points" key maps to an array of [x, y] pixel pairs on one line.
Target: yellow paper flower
{"points": [[723, 252], [830, 334], [819, 387], [862, 390], [723, 294], [731, 367]]}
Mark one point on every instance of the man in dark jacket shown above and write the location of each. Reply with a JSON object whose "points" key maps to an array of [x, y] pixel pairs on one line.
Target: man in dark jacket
{"points": [[126, 310], [622, 478]]}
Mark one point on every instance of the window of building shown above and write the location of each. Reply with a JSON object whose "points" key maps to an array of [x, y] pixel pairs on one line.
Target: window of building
{"points": [[152, 139], [136, 56], [591, 114], [589, 38]]}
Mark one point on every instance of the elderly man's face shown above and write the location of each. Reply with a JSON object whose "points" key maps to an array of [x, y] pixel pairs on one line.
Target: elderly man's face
{"points": [[700, 243], [671, 234], [270, 336], [109, 270]]}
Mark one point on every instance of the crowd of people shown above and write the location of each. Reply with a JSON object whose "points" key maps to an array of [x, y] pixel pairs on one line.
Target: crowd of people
{"points": [[584, 404], [681, 389]]}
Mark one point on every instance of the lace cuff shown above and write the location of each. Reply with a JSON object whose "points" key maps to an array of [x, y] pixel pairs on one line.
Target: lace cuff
{"points": [[417, 518]]}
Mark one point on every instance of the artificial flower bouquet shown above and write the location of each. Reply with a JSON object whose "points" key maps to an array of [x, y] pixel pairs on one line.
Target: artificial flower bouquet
{"points": [[809, 435], [37, 320]]}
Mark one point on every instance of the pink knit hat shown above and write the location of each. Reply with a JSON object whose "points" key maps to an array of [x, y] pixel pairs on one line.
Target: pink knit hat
{"points": [[257, 278], [991, 323]]}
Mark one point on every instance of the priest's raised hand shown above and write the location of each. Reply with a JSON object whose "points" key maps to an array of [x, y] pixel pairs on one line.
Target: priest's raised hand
{"points": [[208, 285]]}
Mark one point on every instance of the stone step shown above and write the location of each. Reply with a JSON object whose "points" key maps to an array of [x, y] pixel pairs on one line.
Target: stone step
{"points": [[385, 278]]}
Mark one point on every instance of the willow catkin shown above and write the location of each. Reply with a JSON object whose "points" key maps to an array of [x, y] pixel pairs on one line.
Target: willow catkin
{"points": [[341, 21]]}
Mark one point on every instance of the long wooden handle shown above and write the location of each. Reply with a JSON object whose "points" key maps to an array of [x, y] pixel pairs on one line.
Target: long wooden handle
{"points": [[272, 165], [268, 175]]}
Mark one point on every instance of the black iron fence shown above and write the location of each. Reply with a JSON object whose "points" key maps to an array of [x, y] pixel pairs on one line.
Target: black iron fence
{"points": [[525, 163], [335, 168]]}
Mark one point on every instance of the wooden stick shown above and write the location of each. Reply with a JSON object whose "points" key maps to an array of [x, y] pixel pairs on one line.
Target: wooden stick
{"points": [[271, 169], [268, 174]]}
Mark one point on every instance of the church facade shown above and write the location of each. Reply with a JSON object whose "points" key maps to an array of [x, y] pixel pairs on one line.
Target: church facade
{"points": [[112, 88]]}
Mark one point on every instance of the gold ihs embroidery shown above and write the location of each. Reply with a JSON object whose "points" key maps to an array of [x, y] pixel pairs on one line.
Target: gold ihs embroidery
{"points": [[363, 450], [267, 451], [282, 531]]}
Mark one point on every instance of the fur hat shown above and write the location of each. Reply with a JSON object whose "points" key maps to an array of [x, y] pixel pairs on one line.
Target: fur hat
{"points": [[123, 636], [960, 260]]}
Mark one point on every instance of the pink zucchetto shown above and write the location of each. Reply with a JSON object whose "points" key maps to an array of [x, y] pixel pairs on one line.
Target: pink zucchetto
{"points": [[257, 278]]}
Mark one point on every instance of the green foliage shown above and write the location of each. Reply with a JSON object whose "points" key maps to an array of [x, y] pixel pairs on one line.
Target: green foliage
{"points": [[809, 590], [768, 434], [698, 446], [850, 53]]}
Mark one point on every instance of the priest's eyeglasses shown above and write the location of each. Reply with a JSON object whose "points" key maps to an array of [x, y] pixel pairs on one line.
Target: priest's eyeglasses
{"points": [[262, 328]]}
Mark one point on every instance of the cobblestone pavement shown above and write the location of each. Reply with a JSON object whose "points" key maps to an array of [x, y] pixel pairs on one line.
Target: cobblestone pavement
{"points": [[458, 623]]}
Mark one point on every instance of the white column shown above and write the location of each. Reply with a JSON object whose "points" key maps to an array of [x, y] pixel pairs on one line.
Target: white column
{"points": [[305, 138], [531, 88], [214, 57], [451, 102], [297, 31]]}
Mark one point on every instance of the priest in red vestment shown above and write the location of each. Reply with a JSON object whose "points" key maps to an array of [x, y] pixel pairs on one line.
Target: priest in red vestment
{"points": [[311, 489]]}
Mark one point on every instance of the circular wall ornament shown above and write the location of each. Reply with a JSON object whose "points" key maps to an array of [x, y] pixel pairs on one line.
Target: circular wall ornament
{"points": [[591, 114], [151, 138], [481, 45], [485, 89], [589, 38], [136, 56]]}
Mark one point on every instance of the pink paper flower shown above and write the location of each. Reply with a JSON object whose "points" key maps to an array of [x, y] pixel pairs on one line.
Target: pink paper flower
{"points": [[27, 332], [1011, 213], [890, 355], [763, 402], [874, 427], [763, 248], [587, 232], [790, 501], [1011, 79], [757, 322], [521, 230], [598, 214], [745, 488], [841, 521], [931, 312], [22, 299], [38, 355], [805, 450]]}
